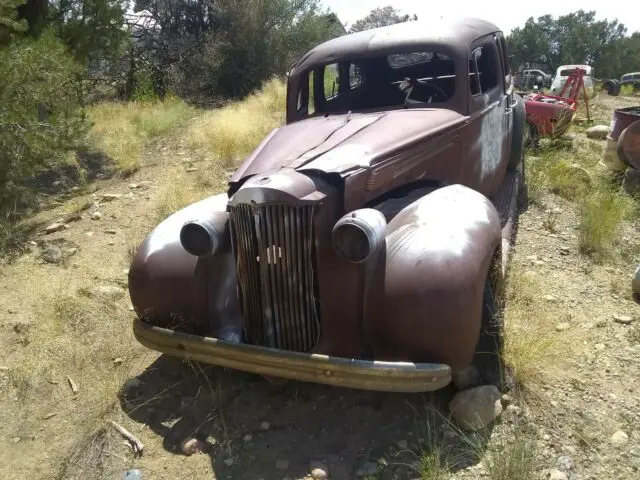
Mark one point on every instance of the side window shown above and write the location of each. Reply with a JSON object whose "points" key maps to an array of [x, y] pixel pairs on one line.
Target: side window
{"points": [[306, 105], [474, 77], [355, 76], [486, 63], [312, 104], [331, 78]]}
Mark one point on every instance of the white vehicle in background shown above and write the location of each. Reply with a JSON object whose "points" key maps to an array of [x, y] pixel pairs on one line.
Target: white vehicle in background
{"points": [[562, 74]]}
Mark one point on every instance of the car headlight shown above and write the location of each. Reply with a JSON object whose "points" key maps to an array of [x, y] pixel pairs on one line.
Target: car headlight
{"points": [[199, 238], [360, 234]]}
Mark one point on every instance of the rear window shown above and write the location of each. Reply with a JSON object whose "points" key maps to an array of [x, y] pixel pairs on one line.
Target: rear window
{"points": [[569, 71]]}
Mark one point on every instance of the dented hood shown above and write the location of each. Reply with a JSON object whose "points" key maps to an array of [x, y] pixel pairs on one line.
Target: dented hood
{"points": [[341, 143]]}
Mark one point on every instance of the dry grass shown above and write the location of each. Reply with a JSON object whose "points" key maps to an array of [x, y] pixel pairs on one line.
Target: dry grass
{"points": [[602, 213], [513, 458], [122, 130], [75, 334], [230, 133], [534, 350]]}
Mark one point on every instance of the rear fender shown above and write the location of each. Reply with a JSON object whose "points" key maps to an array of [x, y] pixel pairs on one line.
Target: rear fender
{"points": [[171, 288], [426, 292]]}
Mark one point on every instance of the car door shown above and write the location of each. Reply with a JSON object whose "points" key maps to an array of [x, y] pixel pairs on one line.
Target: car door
{"points": [[491, 113]]}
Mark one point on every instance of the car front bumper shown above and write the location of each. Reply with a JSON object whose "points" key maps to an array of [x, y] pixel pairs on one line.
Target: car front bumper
{"points": [[336, 371]]}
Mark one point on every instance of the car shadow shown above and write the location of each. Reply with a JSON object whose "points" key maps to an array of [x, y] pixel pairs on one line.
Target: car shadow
{"points": [[253, 428]]}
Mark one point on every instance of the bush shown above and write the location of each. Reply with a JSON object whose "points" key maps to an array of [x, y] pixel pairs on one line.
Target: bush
{"points": [[40, 116]]}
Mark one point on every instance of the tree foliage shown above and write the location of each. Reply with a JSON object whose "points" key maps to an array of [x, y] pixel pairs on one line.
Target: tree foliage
{"points": [[381, 17], [40, 118], [226, 48], [575, 38]]}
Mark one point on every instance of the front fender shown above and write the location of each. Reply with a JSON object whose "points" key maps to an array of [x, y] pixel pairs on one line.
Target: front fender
{"points": [[171, 288], [428, 289]]}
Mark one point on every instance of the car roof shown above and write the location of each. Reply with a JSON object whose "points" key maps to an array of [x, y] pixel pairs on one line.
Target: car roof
{"points": [[453, 33]]}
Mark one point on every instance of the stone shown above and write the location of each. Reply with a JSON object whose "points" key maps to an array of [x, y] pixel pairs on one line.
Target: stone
{"points": [[565, 463], [619, 438], [366, 469], [192, 169], [51, 254], [598, 132], [282, 464], [247, 437], [467, 378], [108, 197], [191, 446], [54, 227], [561, 327], [319, 474], [109, 292], [111, 232], [229, 461], [96, 215], [623, 319], [265, 425], [70, 252], [549, 298], [476, 408], [555, 474]]}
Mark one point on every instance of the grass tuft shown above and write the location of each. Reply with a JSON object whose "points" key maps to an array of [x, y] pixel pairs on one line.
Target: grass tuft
{"points": [[602, 213], [230, 133], [534, 349], [122, 130], [512, 458]]}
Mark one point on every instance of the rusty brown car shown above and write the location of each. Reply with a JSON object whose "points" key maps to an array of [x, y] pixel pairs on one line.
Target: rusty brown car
{"points": [[363, 243]]}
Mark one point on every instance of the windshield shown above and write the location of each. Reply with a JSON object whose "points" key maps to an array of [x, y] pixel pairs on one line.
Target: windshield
{"points": [[397, 79]]}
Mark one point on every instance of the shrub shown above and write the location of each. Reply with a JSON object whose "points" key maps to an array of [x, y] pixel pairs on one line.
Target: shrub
{"points": [[40, 116]]}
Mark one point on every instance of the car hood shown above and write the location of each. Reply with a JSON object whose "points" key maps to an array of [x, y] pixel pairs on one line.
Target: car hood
{"points": [[341, 143]]}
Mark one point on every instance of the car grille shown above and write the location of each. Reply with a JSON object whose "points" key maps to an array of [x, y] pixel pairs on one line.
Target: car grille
{"points": [[275, 258]]}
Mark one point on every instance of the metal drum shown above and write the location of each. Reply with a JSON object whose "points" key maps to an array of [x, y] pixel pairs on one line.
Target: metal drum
{"points": [[622, 151]]}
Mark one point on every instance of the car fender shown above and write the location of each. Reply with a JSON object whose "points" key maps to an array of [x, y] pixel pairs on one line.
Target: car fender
{"points": [[169, 287], [426, 295]]}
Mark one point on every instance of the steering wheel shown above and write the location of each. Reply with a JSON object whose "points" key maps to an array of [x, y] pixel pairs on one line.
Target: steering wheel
{"points": [[409, 84]]}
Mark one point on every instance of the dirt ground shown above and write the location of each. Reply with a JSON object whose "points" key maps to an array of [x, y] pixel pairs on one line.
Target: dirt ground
{"points": [[55, 326]]}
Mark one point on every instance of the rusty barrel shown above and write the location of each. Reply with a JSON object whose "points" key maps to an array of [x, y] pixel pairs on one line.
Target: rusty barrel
{"points": [[622, 148]]}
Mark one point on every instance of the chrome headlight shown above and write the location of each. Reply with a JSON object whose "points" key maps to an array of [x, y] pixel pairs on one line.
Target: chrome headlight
{"points": [[360, 234]]}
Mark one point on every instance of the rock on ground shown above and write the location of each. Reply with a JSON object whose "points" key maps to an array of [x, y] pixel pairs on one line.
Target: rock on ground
{"points": [[109, 292], [51, 254], [476, 408], [598, 131], [619, 438], [555, 474]]}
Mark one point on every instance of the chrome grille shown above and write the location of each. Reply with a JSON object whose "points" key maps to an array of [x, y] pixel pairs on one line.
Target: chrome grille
{"points": [[275, 260]]}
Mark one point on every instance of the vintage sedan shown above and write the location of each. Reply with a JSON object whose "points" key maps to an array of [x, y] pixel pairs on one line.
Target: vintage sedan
{"points": [[363, 243]]}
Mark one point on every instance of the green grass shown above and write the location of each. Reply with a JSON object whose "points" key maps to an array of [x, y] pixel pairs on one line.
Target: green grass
{"points": [[601, 216], [122, 130]]}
